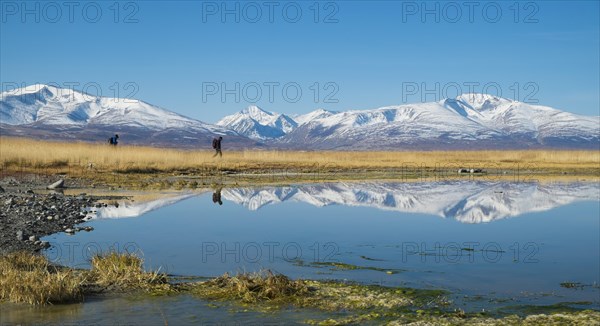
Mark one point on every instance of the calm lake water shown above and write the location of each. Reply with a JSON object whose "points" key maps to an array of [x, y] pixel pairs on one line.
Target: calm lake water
{"points": [[492, 244]]}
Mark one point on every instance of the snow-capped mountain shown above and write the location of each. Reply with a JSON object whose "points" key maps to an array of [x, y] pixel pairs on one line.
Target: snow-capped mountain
{"points": [[523, 120], [259, 124], [470, 121], [256, 123], [465, 201], [316, 114], [49, 111]]}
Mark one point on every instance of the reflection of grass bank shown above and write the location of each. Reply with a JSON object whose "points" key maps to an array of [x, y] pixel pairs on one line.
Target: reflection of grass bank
{"points": [[194, 180], [31, 279]]}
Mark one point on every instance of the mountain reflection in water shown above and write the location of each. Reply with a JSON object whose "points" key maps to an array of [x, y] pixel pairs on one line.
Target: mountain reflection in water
{"points": [[465, 201]]}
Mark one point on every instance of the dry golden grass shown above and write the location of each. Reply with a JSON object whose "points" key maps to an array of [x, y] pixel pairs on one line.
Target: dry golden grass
{"points": [[276, 289], [19, 152], [252, 287], [30, 278], [123, 271]]}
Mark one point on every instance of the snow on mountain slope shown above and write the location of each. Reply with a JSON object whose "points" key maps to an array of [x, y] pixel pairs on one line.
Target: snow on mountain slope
{"points": [[48, 105], [520, 118], [316, 114], [388, 126], [470, 121], [47, 112], [256, 123], [465, 201]]}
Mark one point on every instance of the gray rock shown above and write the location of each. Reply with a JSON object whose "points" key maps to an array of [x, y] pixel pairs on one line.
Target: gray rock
{"points": [[33, 238], [70, 231], [20, 235], [57, 185], [1, 189]]}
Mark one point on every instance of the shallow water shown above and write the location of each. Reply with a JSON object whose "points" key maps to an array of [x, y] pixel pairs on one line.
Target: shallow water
{"points": [[122, 310], [492, 244]]}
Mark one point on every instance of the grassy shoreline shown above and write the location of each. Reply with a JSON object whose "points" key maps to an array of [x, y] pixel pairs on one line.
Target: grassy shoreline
{"points": [[262, 291], [158, 168], [24, 153]]}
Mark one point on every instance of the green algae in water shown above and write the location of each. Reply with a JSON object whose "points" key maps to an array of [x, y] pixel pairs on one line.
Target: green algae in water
{"points": [[347, 267], [371, 259], [572, 285]]}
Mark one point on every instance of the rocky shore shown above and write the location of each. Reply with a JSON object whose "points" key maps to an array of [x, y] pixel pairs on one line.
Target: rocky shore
{"points": [[28, 212]]}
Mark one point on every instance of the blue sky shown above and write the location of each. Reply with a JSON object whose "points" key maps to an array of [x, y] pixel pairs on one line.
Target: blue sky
{"points": [[359, 54]]}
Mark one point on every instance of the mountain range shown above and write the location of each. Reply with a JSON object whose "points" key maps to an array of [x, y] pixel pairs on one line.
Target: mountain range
{"points": [[469, 121], [47, 112]]}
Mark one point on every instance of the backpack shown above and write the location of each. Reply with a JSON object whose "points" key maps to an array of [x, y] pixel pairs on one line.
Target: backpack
{"points": [[214, 143], [110, 141]]}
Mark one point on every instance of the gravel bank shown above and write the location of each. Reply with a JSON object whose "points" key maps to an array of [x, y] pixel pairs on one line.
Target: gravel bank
{"points": [[25, 217], [28, 212]]}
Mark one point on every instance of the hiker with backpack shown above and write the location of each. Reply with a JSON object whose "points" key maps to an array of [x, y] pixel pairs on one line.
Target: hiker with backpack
{"points": [[216, 144], [113, 140]]}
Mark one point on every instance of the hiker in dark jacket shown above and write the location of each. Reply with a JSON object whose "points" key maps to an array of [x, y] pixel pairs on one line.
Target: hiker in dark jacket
{"points": [[114, 140], [216, 144]]}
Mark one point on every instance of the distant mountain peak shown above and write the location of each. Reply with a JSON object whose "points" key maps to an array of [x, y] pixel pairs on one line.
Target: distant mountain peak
{"points": [[257, 123], [30, 89], [480, 101], [255, 110]]}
